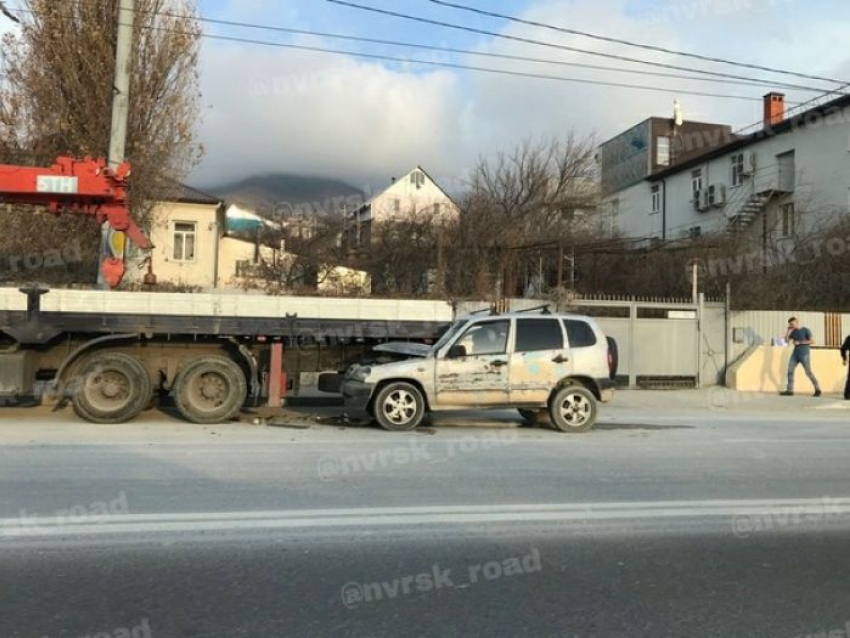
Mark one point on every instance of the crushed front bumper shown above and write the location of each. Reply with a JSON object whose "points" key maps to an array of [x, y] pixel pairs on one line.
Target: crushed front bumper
{"points": [[356, 396]]}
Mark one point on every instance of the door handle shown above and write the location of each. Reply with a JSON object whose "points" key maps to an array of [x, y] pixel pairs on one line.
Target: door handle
{"points": [[499, 364], [560, 359]]}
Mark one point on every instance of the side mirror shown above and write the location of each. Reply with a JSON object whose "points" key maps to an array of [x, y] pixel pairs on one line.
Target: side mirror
{"points": [[456, 352]]}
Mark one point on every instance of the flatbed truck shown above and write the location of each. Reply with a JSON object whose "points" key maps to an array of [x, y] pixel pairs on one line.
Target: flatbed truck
{"points": [[112, 353]]}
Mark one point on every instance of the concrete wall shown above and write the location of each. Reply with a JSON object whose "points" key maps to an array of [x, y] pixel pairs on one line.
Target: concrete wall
{"points": [[764, 369]]}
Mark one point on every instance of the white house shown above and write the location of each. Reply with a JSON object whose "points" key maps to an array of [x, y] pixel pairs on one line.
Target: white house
{"points": [[789, 176], [414, 195]]}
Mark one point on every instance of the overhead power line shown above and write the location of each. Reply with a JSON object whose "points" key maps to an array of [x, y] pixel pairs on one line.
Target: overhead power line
{"points": [[433, 63], [9, 14], [480, 69], [630, 43], [450, 65], [514, 38], [484, 54]]}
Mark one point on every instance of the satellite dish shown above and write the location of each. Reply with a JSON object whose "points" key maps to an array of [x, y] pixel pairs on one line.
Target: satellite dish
{"points": [[678, 115]]}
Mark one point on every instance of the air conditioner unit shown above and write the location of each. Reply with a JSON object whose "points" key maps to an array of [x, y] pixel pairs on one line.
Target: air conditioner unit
{"points": [[716, 195], [749, 164], [699, 195]]}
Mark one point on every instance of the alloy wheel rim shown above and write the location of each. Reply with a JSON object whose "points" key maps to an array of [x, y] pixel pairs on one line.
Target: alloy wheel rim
{"points": [[400, 407], [575, 410]]}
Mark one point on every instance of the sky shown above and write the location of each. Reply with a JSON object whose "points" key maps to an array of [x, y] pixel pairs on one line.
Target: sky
{"points": [[272, 109]]}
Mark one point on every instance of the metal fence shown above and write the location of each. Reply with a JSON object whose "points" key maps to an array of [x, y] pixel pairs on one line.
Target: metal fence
{"points": [[672, 342], [675, 342]]}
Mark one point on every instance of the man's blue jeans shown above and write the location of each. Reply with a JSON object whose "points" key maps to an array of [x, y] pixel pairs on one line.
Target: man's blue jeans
{"points": [[800, 356]]}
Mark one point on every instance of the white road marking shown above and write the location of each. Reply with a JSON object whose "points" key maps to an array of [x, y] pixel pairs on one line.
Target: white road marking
{"points": [[812, 508], [824, 440]]}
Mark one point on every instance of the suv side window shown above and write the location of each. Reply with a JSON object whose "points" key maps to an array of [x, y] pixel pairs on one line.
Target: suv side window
{"points": [[486, 338], [535, 335], [579, 333]]}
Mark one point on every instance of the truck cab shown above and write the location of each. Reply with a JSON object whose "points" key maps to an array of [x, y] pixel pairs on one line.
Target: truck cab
{"points": [[558, 366]]}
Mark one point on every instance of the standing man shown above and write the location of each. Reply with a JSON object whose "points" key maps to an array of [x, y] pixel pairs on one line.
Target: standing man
{"points": [[845, 355], [802, 338]]}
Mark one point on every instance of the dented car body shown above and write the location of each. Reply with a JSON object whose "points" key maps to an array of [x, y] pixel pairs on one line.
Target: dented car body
{"points": [[514, 360]]}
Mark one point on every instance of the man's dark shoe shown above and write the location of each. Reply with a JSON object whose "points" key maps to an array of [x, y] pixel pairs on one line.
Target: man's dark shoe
{"points": [[787, 393], [818, 393]]}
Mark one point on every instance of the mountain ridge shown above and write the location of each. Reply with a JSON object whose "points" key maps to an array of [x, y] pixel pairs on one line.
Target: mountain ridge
{"points": [[267, 193]]}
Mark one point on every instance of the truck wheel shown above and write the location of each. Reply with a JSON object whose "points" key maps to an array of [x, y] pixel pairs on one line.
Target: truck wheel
{"points": [[534, 417], [399, 407], [573, 409], [210, 390], [111, 388]]}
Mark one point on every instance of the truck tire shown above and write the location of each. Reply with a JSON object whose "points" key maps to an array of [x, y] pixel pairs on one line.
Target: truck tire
{"points": [[399, 407], [111, 388], [210, 390], [573, 409]]}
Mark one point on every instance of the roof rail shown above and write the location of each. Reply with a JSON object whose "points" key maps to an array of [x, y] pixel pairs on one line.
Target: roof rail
{"points": [[545, 309]]}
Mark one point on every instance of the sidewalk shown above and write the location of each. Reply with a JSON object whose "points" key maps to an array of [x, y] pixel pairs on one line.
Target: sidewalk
{"points": [[724, 401]]}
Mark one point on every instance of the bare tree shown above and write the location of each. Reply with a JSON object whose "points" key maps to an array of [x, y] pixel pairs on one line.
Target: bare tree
{"points": [[56, 98], [537, 193]]}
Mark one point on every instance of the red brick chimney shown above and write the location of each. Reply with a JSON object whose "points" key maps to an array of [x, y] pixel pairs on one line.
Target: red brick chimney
{"points": [[774, 109]]}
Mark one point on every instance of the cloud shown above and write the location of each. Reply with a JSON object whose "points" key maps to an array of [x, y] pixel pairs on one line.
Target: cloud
{"points": [[310, 113], [315, 114]]}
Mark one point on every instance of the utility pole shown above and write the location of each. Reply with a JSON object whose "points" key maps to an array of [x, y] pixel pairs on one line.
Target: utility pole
{"points": [[113, 242]]}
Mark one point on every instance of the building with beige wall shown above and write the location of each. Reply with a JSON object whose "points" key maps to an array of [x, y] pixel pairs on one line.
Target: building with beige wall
{"points": [[193, 248], [185, 228]]}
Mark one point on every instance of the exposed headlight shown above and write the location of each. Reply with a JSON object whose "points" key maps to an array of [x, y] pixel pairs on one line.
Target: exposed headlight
{"points": [[360, 373]]}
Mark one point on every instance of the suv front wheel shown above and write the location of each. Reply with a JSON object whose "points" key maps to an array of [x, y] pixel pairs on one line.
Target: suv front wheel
{"points": [[399, 407], [573, 409]]}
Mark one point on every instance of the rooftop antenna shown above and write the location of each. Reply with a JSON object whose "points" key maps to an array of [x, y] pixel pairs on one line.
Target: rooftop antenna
{"points": [[678, 114]]}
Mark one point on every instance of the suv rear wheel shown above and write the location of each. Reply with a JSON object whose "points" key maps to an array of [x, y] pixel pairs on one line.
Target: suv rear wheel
{"points": [[399, 407], [573, 409]]}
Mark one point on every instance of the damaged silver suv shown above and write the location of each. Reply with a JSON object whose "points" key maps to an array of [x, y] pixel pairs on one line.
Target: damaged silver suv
{"points": [[550, 367]]}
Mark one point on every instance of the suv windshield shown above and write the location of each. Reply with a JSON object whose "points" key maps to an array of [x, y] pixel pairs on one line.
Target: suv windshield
{"points": [[448, 335]]}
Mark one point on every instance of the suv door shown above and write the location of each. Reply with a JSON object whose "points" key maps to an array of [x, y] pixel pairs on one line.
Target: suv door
{"points": [[477, 373], [540, 359]]}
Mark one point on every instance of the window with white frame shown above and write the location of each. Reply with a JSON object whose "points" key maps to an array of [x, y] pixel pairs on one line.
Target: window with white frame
{"points": [[787, 219], [662, 151], [656, 199], [738, 170], [185, 237], [696, 183]]}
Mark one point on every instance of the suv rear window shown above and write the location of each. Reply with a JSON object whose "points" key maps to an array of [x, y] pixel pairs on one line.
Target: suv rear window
{"points": [[579, 334], [535, 335]]}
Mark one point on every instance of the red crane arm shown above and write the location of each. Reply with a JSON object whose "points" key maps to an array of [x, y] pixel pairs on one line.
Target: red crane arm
{"points": [[86, 186]]}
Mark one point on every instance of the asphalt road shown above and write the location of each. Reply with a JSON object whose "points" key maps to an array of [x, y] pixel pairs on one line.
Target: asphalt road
{"points": [[682, 515]]}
